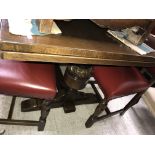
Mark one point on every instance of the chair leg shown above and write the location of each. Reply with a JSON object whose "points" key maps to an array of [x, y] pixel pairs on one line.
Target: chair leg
{"points": [[10, 121], [93, 118], [45, 109], [133, 101], [12, 107]]}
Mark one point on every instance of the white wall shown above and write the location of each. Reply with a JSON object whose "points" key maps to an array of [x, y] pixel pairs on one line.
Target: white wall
{"points": [[149, 99]]}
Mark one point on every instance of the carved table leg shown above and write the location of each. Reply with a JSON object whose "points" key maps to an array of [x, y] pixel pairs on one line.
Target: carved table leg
{"points": [[74, 97], [44, 113]]}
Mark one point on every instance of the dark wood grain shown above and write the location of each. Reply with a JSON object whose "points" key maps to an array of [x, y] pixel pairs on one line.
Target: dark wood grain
{"points": [[81, 42]]}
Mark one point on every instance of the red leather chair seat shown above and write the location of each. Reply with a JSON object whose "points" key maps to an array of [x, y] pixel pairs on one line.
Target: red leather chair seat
{"points": [[27, 79], [119, 81]]}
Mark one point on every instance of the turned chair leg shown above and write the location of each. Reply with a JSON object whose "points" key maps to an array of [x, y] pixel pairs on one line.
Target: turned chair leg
{"points": [[99, 109], [45, 109], [133, 101]]}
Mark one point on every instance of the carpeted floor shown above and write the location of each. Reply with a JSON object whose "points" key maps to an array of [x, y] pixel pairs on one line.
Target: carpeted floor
{"points": [[138, 120]]}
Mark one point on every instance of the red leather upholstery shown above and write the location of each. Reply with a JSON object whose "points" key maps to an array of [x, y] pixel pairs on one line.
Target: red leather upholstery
{"points": [[27, 79], [119, 81]]}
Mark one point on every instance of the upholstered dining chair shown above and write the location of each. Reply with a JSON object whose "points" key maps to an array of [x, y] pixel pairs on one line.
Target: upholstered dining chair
{"points": [[115, 82], [31, 80]]}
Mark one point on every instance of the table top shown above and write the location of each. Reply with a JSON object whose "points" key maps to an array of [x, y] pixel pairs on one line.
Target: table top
{"points": [[81, 42]]}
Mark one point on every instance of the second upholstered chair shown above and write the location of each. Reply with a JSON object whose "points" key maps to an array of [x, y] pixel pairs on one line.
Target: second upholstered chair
{"points": [[30, 80], [116, 82]]}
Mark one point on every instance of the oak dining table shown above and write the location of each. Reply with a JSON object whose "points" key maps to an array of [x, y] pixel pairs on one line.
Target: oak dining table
{"points": [[81, 42]]}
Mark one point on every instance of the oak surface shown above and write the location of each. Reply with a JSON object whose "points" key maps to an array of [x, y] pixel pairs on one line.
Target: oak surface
{"points": [[81, 42]]}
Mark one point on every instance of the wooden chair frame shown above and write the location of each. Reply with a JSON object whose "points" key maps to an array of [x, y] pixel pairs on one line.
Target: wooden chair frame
{"points": [[103, 105]]}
